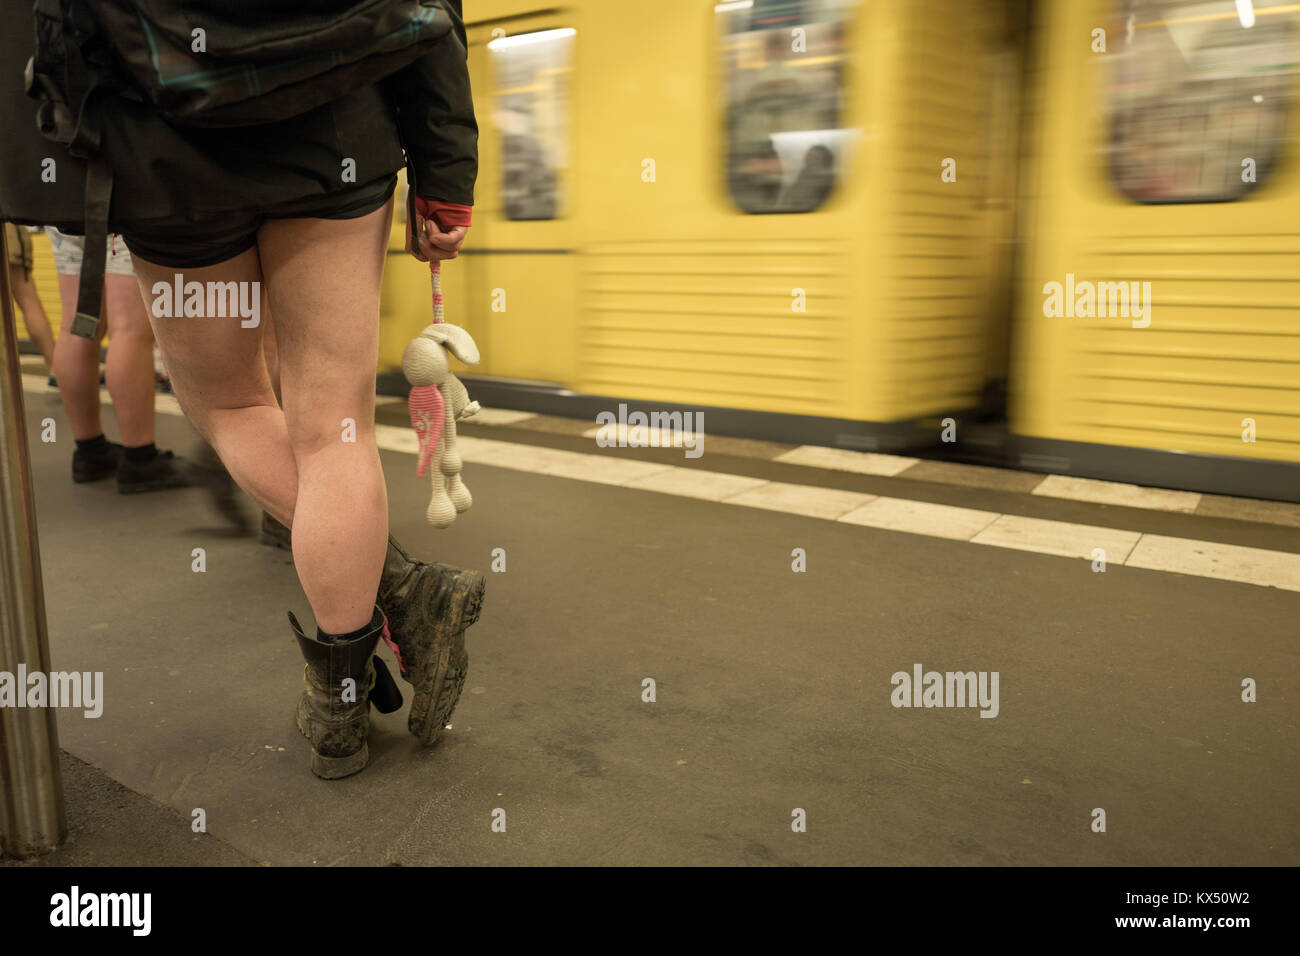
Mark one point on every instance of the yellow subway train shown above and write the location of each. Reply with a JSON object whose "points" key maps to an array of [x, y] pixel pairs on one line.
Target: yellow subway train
{"points": [[1067, 231], [1162, 155], [797, 214]]}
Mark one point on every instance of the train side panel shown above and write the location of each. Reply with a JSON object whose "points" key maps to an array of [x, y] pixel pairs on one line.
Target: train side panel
{"points": [[1221, 352]]}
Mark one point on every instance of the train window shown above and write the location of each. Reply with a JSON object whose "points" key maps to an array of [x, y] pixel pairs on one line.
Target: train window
{"points": [[1198, 96], [783, 78], [531, 113]]}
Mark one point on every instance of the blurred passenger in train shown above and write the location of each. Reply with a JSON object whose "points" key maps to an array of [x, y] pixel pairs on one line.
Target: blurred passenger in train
{"points": [[129, 375], [777, 99], [1192, 98], [530, 184], [814, 183], [21, 263]]}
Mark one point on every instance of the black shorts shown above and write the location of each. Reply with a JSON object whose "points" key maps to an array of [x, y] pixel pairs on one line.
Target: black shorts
{"points": [[193, 246]]}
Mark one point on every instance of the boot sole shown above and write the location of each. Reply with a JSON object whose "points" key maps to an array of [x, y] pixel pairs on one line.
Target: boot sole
{"points": [[333, 768], [446, 663]]}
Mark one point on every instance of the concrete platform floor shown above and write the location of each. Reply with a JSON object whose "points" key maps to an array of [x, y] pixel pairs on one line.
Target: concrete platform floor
{"points": [[1119, 691]]}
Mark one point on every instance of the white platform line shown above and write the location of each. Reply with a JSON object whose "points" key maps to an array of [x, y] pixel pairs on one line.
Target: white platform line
{"points": [[1116, 493], [922, 517], [643, 436], [844, 459], [1256, 566], [806, 500], [1208, 559], [1059, 537]]}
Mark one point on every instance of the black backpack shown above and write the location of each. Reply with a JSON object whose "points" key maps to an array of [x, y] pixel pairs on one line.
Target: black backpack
{"points": [[206, 63]]}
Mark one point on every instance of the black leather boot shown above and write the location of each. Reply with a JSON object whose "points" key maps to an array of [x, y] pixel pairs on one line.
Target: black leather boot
{"points": [[429, 606], [334, 710]]}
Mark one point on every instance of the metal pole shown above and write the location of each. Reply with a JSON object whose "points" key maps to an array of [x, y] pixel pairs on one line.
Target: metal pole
{"points": [[32, 819]]}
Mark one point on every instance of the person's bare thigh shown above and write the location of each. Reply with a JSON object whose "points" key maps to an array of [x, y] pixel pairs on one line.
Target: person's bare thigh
{"points": [[323, 278], [213, 360]]}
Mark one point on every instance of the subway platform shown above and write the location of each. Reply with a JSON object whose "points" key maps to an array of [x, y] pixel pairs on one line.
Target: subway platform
{"points": [[1119, 690]]}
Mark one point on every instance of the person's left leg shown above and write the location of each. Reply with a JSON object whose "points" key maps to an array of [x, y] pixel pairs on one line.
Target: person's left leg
{"points": [[76, 366], [219, 378]]}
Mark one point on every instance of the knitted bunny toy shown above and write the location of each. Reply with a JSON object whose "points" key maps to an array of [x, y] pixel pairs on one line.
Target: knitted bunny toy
{"points": [[438, 400]]}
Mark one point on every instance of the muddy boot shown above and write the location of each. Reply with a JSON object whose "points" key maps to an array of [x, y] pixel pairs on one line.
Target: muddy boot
{"points": [[274, 534], [334, 710], [428, 608]]}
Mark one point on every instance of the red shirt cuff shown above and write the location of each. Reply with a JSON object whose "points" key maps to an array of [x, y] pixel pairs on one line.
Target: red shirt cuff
{"points": [[446, 214]]}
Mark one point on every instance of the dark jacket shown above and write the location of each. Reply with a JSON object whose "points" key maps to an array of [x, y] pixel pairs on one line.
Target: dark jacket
{"points": [[166, 173]]}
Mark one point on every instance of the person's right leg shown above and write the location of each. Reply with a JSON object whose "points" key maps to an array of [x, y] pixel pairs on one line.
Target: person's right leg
{"points": [[128, 370], [323, 280]]}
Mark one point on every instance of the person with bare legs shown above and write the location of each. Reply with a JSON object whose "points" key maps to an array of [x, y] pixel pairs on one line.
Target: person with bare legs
{"points": [[128, 374], [313, 464], [278, 178]]}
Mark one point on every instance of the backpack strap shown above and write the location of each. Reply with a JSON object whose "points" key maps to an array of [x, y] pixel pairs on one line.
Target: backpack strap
{"points": [[71, 95], [90, 294]]}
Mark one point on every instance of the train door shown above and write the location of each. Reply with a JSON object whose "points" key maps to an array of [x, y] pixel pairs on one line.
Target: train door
{"points": [[518, 268]]}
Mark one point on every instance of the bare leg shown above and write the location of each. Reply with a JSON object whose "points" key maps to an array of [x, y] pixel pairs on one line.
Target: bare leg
{"points": [[76, 366], [129, 368], [323, 279], [269, 349], [219, 378], [34, 317]]}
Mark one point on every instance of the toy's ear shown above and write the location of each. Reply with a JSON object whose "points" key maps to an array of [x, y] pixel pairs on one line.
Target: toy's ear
{"points": [[459, 342]]}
